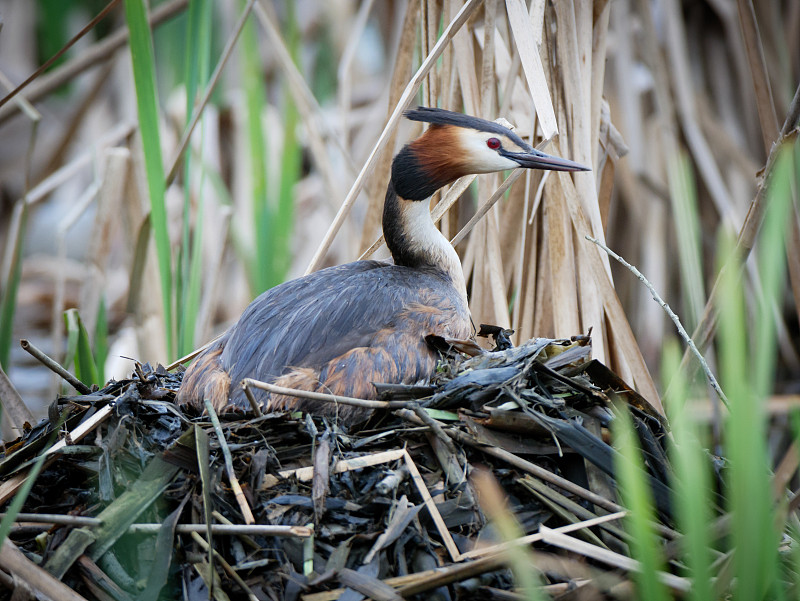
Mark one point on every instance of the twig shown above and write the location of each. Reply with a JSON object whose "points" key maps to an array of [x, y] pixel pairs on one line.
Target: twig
{"points": [[328, 398], [304, 474], [98, 53], [537, 471], [226, 453], [711, 379], [225, 565], [54, 366], [191, 355], [212, 84], [56, 518], [232, 529], [491, 562], [87, 28], [436, 426], [47, 519], [254, 404], [616, 560]]}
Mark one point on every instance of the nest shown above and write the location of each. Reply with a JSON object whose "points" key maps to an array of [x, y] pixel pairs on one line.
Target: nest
{"points": [[139, 498]]}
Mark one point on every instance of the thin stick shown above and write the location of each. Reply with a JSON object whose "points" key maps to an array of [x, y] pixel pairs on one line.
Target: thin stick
{"points": [[233, 529], [225, 565], [87, 28], [226, 453], [54, 366], [484, 208], [537, 471], [328, 398], [304, 474], [191, 355], [95, 54], [254, 404], [558, 539], [56, 518], [408, 94], [496, 559], [711, 379], [212, 84]]}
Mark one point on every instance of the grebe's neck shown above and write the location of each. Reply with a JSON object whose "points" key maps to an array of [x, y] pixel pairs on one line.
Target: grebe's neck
{"points": [[414, 240]]}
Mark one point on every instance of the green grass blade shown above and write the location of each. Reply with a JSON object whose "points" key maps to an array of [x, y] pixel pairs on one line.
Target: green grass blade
{"points": [[198, 58], [255, 101], [101, 342], [683, 193], [8, 301], [749, 492], [638, 498], [143, 61], [772, 269], [80, 348], [290, 169], [692, 483]]}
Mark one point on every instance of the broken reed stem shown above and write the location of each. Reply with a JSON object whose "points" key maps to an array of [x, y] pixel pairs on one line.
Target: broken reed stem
{"points": [[484, 208], [54, 366], [675, 319], [436, 426], [48, 519], [226, 453], [254, 404], [328, 398], [616, 560], [225, 565], [489, 563], [537, 471]]}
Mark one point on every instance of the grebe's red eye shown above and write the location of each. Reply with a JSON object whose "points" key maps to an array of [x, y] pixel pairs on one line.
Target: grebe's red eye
{"points": [[493, 143]]}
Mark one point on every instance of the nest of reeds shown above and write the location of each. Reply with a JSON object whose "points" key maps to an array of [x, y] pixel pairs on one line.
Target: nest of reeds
{"points": [[138, 496]]}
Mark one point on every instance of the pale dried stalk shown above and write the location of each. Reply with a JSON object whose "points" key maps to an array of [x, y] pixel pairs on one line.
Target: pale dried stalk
{"points": [[411, 89]]}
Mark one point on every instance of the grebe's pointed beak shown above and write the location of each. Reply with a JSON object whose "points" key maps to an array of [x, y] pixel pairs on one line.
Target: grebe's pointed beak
{"points": [[534, 159]]}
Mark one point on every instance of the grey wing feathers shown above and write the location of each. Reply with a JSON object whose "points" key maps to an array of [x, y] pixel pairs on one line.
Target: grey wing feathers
{"points": [[313, 319]]}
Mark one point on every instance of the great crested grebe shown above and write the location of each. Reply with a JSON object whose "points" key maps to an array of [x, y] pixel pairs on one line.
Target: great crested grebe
{"points": [[340, 329]]}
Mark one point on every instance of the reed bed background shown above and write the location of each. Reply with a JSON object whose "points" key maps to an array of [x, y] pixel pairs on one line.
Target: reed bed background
{"points": [[157, 182]]}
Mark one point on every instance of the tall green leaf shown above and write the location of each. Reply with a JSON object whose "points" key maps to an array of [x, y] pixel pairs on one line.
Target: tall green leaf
{"points": [[692, 483], [143, 61], [290, 169], [748, 484], [198, 55], [638, 498], [79, 349], [255, 100], [8, 301]]}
